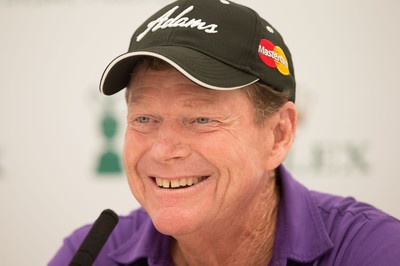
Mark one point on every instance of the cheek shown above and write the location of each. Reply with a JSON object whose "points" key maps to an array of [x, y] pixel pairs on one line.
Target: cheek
{"points": [[246, 156], [133, 150], [238, 160], [129, 151], [238, 151]]}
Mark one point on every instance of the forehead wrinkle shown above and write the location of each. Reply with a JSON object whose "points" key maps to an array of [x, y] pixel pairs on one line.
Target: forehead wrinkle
{"points": [[195, 102], [145, 103], [136, 99], [184, 98]]}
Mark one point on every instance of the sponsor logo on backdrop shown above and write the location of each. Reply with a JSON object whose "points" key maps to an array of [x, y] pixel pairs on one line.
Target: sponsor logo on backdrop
{"points": [[325, 158], [108, 161]]}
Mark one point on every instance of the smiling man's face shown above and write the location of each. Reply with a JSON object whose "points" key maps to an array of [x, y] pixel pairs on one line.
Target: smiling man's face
{"points": [[194, 157]]}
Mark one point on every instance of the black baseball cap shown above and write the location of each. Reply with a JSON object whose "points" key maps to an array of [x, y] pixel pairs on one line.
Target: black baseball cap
{"points": [[217, 44]]}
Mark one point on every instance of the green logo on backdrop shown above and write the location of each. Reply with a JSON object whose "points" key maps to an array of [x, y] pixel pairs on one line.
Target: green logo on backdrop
{"points": [[109, 161], [342, 158]]}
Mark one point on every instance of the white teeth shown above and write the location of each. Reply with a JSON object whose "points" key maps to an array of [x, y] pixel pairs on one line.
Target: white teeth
{"points": [[176, 183], [165, 183], [183, 182]]}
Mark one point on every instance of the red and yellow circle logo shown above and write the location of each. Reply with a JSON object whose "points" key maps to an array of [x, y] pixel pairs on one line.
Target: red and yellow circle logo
{"points": [[273, 56]]}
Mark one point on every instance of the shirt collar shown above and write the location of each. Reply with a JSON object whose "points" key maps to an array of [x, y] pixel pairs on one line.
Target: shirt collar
{"points": [[301, 234]]}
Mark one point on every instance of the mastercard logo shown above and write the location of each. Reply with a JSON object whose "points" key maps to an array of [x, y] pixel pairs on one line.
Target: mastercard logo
{"points": [[273, 56]]}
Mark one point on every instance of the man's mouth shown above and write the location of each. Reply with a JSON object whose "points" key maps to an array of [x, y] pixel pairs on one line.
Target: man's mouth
{"points": [[178, 183]]}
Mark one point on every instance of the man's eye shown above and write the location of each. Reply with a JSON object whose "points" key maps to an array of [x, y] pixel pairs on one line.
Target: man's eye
{"points": [[203, 120], [143, 119]]}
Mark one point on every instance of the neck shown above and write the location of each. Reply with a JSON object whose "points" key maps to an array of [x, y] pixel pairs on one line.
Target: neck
{"points": [[245, 240]]}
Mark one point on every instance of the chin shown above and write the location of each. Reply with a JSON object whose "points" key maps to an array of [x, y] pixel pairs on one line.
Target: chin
{"points": [[174, 222]]}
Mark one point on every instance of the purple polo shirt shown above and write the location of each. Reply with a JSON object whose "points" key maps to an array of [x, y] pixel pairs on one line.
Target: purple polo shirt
{"points": [[313, 229]]}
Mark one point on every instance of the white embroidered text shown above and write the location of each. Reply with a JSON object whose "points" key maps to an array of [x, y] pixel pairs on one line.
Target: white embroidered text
{"points": [[180, 20]]}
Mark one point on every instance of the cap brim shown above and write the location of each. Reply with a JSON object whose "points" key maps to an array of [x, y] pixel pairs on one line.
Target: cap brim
{"points": [[201, 69]]}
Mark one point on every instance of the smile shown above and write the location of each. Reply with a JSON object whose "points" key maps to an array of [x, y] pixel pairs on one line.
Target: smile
{"points": [[178, 183]]}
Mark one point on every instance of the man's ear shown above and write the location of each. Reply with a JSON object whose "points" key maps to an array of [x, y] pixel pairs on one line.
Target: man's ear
{"points": [[283, 128]]}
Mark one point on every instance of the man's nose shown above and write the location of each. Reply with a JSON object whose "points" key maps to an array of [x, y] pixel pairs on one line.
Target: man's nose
{"points": [[170, 143]]}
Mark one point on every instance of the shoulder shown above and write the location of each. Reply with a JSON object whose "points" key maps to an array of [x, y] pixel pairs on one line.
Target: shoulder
{"points": [[361, 234], [339, 211]]}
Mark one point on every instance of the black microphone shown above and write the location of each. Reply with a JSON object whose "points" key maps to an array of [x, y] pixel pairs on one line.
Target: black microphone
{"points": [[95, 239]]}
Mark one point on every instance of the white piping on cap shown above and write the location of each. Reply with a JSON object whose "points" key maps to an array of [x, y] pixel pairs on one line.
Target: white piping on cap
{"points": [[172, 63]]}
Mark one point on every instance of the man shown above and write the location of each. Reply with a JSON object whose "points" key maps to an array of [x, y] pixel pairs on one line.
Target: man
{"points": [[210, 91]]}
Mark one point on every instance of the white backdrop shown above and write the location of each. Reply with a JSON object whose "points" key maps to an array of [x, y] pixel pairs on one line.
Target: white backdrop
{"points": [[53, 52]]}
